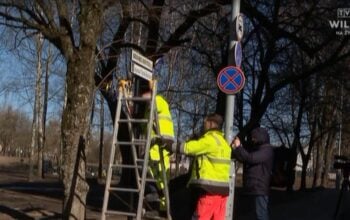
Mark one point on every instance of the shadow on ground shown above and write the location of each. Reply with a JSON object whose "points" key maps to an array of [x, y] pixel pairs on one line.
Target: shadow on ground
{"points": [[28, 214], [312, 204]]}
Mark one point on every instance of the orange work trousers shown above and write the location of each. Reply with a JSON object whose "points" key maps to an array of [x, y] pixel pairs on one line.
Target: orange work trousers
{"points": [[211, 207]]}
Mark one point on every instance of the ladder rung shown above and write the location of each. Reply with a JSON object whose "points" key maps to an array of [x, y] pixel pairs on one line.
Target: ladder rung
{"points": [[127, 166], [133, 120], [140, 160], [146, 216], [135, 142], [150, 180], [121, 189], [110, 212], [136, 98]]}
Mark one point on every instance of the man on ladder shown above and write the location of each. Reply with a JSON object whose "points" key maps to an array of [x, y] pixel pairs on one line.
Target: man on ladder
{"points": [[162, 138], [158, 134]]}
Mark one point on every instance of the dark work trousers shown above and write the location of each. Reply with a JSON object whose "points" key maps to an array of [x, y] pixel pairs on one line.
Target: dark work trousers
{"points": [[261, 207]]}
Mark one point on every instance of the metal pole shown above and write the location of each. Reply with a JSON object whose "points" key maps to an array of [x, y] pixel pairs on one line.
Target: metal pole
{"points": [[229, 112], [230, 99]]}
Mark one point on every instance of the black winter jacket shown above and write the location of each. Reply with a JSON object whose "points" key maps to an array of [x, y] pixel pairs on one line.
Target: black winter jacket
{"points": [[257, 163]]}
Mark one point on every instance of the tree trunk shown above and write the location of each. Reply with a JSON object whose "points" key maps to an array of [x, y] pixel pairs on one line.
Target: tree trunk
{"points": [[306, 156], [32, 144], [46, 96], [35, 141], [292, 161], [100, 155], [318, 163], [296, 145], [77, 113], [317, 166], [39, 47], [305, 161], [61, 141], [127, 178], [75, 129], [329, 152]]}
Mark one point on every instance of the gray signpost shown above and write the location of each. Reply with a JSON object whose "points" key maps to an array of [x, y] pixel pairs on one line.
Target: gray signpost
{"points": [[236, 33]]}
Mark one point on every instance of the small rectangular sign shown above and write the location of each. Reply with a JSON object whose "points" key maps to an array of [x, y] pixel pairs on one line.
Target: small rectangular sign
{"points": [[141, 71], [141, 60]]}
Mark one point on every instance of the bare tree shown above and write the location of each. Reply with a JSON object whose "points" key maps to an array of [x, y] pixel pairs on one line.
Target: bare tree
{"points": [[39, 105], [8, 125], [101, 142], [78, 48], [37, 125], [15, 129], [45, 101], [158, 38]]}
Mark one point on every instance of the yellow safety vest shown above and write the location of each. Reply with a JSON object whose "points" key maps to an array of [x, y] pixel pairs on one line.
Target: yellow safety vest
{"points": [[166, 130], [212, 162], [166, 127]]}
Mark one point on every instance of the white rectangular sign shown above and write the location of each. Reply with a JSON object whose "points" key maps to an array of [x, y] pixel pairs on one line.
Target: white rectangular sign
{"points": [[141, 71], [141, 60]]}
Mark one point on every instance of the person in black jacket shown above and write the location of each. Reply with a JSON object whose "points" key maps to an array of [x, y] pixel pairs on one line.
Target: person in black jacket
{"points": [[257, 159]]}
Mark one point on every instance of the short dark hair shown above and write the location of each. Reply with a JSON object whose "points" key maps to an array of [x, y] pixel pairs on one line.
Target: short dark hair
{"points": [[216, 118]]}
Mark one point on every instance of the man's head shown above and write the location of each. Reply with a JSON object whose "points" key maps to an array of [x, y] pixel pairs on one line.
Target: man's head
{"points": [[213, 121], [147, 87], [259, 136], [147, 94]]}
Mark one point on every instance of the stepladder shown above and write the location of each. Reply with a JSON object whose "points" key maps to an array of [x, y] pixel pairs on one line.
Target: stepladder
{"points": [[137, 198]]}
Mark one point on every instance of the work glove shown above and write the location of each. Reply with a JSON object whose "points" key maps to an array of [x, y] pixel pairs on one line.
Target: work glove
{"points": [[174, 147], [163, 143], [156, 140]]}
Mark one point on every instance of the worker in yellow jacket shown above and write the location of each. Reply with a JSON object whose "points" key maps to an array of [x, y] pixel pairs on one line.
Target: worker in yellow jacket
{"points": [[165, 137], [210, 171]]}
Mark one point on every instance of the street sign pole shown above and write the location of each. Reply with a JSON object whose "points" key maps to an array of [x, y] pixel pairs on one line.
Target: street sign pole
{"points": [[229, 112], [230, 99]]}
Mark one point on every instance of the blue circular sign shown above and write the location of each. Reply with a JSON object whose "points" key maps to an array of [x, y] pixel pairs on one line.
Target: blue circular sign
{"points": [[238, 54], [231, 80]]}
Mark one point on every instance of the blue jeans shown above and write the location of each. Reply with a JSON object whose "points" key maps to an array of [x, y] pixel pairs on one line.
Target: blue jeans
{"points": [[261, 207]]}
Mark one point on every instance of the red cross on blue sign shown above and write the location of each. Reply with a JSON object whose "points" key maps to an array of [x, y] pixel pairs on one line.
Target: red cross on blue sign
{"points": [[231, 80]]}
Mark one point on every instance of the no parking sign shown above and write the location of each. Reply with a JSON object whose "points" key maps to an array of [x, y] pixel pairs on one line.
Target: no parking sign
{"points": [[231, 80]]}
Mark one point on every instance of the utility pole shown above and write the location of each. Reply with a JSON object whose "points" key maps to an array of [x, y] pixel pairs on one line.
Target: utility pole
{"points": [[230, 102]]}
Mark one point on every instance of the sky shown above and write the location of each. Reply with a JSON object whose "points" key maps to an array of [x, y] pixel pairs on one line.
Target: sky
{"points": [[17, 84], [11, 70]]}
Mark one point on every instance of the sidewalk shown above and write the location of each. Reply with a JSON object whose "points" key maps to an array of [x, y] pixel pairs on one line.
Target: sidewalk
{"points": [[312, 204]]}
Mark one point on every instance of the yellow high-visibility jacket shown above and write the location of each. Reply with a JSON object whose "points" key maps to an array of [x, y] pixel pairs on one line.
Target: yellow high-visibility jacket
{"points": [[212, 162], [166, 129]]}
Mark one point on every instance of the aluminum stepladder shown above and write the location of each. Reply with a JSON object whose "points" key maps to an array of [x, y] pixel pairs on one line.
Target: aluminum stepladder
{"points": [[140, 165]]}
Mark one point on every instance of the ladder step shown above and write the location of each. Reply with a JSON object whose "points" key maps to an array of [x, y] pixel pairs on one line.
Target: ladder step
{"points": [[137, 99], [133, 120], [150, 180], [153, 216], [126, 166], [139, 160], [110, 212], [135, 142], [121, 189]]}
